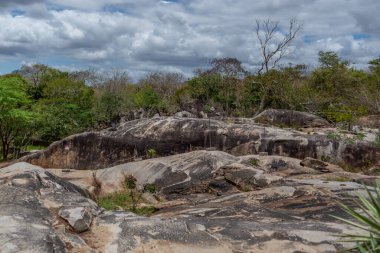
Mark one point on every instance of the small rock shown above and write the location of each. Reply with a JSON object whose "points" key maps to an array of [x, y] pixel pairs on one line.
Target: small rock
{"points": [[184, 114], [203, 115], [315, 164], [79, 218]]}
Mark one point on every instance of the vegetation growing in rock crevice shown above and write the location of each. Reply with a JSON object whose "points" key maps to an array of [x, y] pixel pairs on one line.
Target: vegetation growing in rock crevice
{"points": [[131, 198]]}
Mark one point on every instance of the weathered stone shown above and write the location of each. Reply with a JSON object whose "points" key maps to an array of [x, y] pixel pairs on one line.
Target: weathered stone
{"points": [[30, 197], [290, 118], [79, 218], [184, 114], [371, 121], [287, 215], [178, 174], [177, 135], [320, 165]]}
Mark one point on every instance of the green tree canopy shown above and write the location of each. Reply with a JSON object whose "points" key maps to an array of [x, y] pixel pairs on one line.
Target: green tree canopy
{"points": [[16, 118], [66, 108]]}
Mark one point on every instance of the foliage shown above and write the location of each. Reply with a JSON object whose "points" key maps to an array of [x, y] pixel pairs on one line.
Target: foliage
{"points": [[47, 104], [254, 162], [130, 182], [147, 99], [16, 119], [129, 199], [124, 201], [151, 188], [109, 107], [205, 87], [366, 215], [64, 109], [151, 153], [34, 147]]}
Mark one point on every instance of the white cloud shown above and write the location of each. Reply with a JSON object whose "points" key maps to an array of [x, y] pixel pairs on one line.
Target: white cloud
{"points": [[149, 35]]}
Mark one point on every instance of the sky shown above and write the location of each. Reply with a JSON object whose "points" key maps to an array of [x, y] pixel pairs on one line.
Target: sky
{"points": [[143, 36]]}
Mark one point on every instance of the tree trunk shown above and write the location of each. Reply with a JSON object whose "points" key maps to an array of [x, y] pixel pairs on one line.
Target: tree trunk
{"points": [[5, 150], [262, 104]]}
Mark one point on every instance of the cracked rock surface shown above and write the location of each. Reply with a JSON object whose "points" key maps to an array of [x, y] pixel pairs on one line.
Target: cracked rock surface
{"points": [[171, 135], [209, 201]]}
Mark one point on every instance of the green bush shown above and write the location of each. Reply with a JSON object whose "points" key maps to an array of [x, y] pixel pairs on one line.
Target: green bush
{"points": [[129, 199], [151, 153], [149, 188]]}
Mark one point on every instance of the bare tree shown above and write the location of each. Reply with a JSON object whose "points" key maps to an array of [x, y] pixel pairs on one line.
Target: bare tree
{"points": [[272, 51], [164, 84]]}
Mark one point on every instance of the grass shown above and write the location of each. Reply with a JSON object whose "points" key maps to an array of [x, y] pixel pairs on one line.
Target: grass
{"points": [[341, 179], [129, 199], [125, 201], [33, 147], [254, 162]]}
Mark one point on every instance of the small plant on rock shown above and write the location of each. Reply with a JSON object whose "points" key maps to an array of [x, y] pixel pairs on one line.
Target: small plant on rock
{"points": [[367, 218], [151, 188], [130, 182], [254, 162], [129, 199], [333, 135], [151, 153]]}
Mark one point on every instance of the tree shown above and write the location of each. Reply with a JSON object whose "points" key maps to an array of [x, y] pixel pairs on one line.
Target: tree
{"points": [[231, 72], [273, 49], [37, 76], [329, 59], [16, 120], [164, 84], [147, 99], [109, 108], [369, 94], [65, 109], [219, 83]]}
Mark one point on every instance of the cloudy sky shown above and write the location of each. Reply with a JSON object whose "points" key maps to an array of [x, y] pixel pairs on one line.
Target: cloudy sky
{"points": [[141, 36]]}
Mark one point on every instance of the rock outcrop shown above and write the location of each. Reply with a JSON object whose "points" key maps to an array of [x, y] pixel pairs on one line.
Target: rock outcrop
{"points": [[288, 118], [171, 135], [211, 201], [30, 198]]}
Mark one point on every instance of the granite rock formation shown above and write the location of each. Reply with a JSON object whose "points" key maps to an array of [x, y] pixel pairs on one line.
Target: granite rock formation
{"points": [[171, 135], [210, 201]]}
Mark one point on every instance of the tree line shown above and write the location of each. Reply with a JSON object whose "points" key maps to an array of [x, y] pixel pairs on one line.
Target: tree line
{"points": [[40, 104]]}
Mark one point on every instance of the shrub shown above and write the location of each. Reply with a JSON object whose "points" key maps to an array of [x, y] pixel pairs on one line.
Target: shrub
{"points": [[151, 153], [129, 199], [149, 188], [130, 182]]}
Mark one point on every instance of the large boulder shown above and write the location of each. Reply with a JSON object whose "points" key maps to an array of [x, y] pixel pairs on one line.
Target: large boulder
{"points": [[31, 197], [164, 136], [289, 118]]}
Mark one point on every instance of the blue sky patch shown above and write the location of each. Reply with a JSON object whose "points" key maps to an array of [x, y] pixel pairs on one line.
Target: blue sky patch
{"points": [[360, 36], [16, 13]]}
